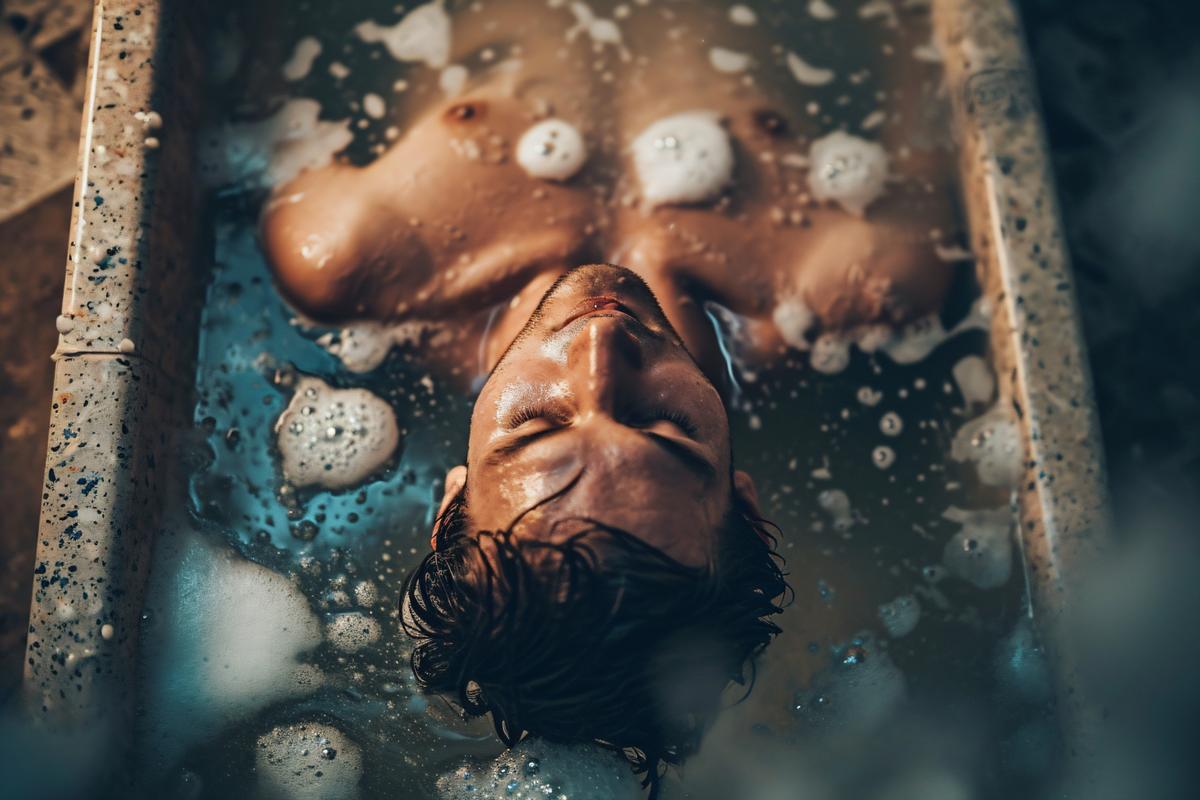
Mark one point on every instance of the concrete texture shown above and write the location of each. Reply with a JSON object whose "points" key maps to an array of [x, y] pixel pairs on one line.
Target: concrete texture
{"points": [[43, 47], [30, 293]]}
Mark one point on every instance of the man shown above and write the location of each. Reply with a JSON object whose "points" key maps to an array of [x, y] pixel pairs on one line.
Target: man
{"points": [[599, 570]]}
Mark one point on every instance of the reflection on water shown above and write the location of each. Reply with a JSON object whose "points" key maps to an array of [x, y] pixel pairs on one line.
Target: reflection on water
{"points": [[273, 653]]}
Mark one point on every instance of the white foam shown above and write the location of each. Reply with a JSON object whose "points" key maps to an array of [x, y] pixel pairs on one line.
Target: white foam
{"points": [[900, 616], [362, 346], [830, 353], [819, 9], [536, 769], [981, 551], [223, 639], [993, 442], [891, 424], [352, 631], [847, 170], [684, 158], [366, 594], [274, 150], [836, 504], [374, 106], [308, 761], [869, 397], [793, 319], [729, 61], [806, 73], [975, 381], [303, 55], [601, 31], [742, 15], [334, 438], [883, 457], [879, 8], [453, 79], [552, 150], [917, 339], [423, 35]]}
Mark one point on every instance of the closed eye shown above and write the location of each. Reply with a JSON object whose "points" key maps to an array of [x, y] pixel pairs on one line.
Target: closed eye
{"points": [[555, 413], [648, 418]]}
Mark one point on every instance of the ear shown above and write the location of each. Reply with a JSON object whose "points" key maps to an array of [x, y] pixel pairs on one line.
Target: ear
{"points": [[746, 491], [456, 479]]}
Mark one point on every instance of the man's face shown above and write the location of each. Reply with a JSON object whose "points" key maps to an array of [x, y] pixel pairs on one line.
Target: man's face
{"points": [[598, 394]]}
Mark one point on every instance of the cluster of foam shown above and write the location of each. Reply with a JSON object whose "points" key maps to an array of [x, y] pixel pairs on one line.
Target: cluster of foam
{"points": [[742, 15], [806, 73], [352, 631], [830, 352], [847, 170], [975, 381], [729, 61], [552, 150], [423, 35], [992, 441], [600, 30], [793, 319], [917, 339], [900, 616], [334, 438], [303, 55], [819, 9], [858, 693], [362, 346], [981, 551], [684, 158], [223, 639], [536, 769], [374, 106], [836, 504], [274, 150], [308, 761]]}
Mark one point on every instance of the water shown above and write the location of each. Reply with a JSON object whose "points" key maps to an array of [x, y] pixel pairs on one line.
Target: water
{"points": [[272, 629]]}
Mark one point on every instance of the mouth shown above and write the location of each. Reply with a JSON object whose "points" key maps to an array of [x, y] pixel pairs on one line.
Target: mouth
{"points": [[605, 305]]}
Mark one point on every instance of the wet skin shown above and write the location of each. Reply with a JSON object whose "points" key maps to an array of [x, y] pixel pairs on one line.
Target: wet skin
{"points": [[598, 393], [446, 225]]}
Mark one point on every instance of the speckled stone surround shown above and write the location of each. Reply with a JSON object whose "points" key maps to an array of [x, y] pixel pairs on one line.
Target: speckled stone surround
{"points": [[124, 362], [1036, 337], [129, 326]]}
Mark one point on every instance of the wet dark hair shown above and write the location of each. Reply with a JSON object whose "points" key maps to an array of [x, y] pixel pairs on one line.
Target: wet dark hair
{"points": [[597, 637]]}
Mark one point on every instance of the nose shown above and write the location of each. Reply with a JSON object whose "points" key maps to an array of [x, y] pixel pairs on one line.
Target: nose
{"points": [[604, 359]]}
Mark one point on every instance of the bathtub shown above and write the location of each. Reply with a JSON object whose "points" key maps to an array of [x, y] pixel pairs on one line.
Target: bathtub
{"points": [[125, 359]]}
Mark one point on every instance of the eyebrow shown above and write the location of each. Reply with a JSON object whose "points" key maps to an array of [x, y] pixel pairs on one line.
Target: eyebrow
{"points": [[688, 456]]}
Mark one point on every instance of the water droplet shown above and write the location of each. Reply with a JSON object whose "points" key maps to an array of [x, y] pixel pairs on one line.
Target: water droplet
{"points": [[532, 766], [854, 656], [305, 531], [328, 753], [891, 424], [883, 456]]}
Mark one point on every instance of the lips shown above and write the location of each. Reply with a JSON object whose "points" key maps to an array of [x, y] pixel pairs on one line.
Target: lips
{"points": [[594, 305]]}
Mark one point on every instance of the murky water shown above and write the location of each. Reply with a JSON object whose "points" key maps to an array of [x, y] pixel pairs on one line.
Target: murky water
{"points": [[274, 658]]}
